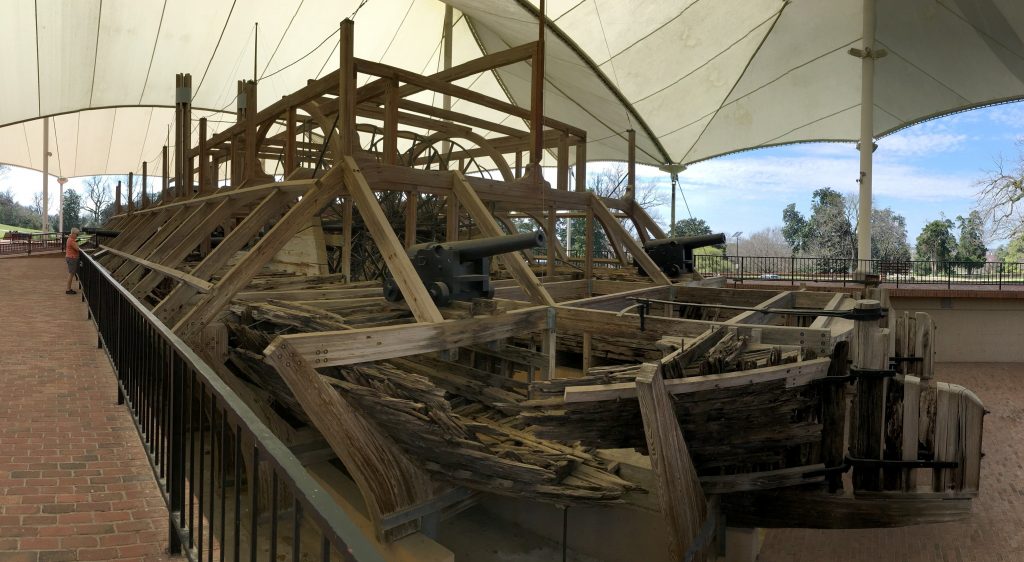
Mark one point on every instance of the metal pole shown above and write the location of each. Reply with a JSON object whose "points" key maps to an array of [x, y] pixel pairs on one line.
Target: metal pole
{"points": [[46, 176], [867, 116]]}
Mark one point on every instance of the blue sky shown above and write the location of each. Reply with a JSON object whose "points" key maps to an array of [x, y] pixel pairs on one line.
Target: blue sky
{"points": [[920, 172]]}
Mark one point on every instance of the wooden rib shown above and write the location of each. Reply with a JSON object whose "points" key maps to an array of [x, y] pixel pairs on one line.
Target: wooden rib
{"points": [[271, 207], [513, 261], [416, 296], [320, 193], [618, 233]]}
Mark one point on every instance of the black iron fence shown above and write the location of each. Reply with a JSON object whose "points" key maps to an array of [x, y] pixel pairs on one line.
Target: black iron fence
{"points": [[841, 270], [233, 490], [25, 243]]}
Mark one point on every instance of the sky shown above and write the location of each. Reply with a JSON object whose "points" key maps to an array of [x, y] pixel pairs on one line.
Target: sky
{"points": [[920, 172]]}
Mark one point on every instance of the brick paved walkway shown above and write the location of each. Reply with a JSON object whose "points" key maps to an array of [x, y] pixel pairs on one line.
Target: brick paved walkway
{"points": [[74, 480], [995, 530]]}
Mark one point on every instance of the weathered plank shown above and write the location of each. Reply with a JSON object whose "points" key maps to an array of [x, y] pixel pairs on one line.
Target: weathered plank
{"points": [[389, 481], [326, 349], [680, 497], [794, 374]]}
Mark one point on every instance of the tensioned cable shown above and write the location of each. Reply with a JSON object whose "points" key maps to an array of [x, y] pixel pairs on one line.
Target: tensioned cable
{"points": [[152, 53], [96, 52], [215, 47], [56, 143], [296, 61], [611, 59], [281, 39], [393, 37]]}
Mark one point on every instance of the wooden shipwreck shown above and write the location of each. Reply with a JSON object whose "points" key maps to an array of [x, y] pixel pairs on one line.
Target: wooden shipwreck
{"points": [[566, 383]]}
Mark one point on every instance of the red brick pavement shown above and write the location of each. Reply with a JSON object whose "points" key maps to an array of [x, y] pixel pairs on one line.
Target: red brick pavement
{"points": [[74, 479], [995, 530]]}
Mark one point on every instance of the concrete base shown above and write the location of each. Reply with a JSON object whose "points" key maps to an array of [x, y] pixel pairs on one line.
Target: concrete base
{"points": [[742, 544]]}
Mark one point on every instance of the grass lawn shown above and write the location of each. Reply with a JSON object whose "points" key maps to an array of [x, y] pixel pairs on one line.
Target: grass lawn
{"points": [[4, 228]]}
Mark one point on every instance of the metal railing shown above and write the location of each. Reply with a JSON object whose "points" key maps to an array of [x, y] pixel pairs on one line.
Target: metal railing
{"points": [[841, 270], [228, 482], [25, 243]]}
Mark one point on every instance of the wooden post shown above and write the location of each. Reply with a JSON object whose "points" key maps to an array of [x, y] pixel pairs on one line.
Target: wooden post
{"points": [[183, 136], [587, 351], [131, 195], [145, 184], [588, 251], [204, 158], [251, 154], [117, 198], [165, 193], [537, 98], [631, 166], [346, 239], [581, 164], [870, 352], [562, 180], [552, 241], [833, 417], [347, 90], [290, 144], [680, 497], [519, 164], [452, 222]]}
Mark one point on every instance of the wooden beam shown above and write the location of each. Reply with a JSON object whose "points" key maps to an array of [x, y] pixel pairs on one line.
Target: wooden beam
{"points": [[298, 217], [682, 503], [388, 479], [581, 165], [415, 294], [175, 249], [616, 231], [271, 207], [347, 90], [194, 282], [349, 347], [795, 374], [513, 261]]}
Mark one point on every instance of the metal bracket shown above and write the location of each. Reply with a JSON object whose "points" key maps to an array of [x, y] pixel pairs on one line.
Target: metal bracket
{"points": [[859, 374], [868, 52], [881, 463]]}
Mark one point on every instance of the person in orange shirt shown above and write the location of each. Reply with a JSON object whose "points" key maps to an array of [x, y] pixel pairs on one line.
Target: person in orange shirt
{"points": [[71, 252]]}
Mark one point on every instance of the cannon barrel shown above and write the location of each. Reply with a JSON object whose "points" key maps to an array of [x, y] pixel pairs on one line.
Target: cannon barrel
{"points": [[101, 232], [486, 247], [689, 242]]}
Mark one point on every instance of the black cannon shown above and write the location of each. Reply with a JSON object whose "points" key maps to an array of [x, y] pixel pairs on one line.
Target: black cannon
{"points": [[460, 270], [101, 232], [674, 256]]}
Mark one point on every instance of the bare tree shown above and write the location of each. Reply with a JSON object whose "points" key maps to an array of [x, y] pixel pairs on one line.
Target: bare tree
{"points": [[611, 182], [97, 197], [1000, 195]]}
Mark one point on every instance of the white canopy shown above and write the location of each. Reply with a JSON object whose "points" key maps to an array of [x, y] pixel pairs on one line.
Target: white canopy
{"points": [[695, 79]]}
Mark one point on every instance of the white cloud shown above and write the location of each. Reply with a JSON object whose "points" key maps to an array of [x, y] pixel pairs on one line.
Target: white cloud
{"points": [[921, 144], [1011, 114], [767, 178]]}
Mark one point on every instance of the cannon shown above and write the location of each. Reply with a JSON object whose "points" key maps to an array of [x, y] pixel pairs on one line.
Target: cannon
{"points": [[674, 256], [460, 270], [101, 232]]}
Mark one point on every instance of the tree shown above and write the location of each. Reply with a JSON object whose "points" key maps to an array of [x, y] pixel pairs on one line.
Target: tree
{"points": [[889, 236], [690, 227], [1001, 196], [794, 229], [936, 244], [72, 210], [971, 250], [97, 198]]}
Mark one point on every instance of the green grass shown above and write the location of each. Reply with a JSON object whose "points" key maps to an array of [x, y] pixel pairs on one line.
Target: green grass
{"points": [[5, 227]]}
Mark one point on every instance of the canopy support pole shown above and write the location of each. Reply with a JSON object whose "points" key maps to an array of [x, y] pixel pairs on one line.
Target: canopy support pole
{"points": [[45, 211], [867, 117]]}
